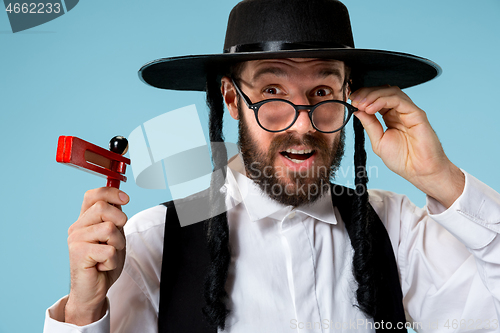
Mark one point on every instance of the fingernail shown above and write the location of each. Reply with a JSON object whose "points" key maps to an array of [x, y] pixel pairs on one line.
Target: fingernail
{"points": [[123, 196]]}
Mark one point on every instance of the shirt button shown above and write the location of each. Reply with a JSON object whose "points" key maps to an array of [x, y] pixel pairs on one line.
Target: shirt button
{"points": [[291, 215]]}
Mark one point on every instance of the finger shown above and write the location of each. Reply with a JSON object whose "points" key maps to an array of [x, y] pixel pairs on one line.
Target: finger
{"points": [[87, 255], [111, 195], [101, 211], [361, 95], [372, 126], [392, 119], [386, 103], [102, 233], [367, 96], [106, 258]]}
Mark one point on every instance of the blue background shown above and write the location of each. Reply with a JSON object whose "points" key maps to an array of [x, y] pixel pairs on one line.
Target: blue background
{"points": [[77, 75]]}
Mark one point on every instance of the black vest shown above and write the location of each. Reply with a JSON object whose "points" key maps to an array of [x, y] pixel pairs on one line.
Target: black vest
{"points": [[186, 259]]}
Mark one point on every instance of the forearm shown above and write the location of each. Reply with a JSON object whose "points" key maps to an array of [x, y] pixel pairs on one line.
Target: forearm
{"points": [[127, 310], [80, 316]]}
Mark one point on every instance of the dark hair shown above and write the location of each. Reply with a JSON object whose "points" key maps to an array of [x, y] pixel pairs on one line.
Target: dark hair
{"points": [[363, 265], [218, 231], [216, 228]]}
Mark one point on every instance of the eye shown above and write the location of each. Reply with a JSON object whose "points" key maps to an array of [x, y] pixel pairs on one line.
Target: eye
{"points": [[271, 91], [322, 92]]}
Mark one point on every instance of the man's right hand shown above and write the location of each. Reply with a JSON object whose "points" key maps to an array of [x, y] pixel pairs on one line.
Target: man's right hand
{"points": [[96, 253]]}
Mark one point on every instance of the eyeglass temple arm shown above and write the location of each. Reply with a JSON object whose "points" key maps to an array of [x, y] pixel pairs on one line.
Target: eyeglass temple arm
{"points": [[245, 97]]}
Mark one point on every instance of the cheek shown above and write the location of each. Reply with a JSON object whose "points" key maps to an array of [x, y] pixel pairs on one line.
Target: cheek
{"points": [[331, 138], [259, 136], [328, 139]]}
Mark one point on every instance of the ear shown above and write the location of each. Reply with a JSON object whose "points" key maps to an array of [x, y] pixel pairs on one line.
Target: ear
{"points": [[347, 92], [230, 96]]}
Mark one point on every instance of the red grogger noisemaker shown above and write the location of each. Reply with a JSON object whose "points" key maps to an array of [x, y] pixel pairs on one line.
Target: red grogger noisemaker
{"points": [[88, 157]]}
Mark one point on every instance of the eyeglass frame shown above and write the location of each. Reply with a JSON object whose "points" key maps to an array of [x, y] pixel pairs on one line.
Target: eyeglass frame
{"points": [[256, 106]]}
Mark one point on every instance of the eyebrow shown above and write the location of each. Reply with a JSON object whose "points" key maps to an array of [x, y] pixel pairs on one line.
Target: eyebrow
{"points": [[269, 70], [323, 73]]}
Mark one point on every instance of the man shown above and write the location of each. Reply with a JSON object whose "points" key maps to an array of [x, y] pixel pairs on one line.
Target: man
{"points": [[294, 253]]}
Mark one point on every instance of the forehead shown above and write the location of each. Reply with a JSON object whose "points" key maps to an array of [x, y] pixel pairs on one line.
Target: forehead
{"points": [[293, 68]]}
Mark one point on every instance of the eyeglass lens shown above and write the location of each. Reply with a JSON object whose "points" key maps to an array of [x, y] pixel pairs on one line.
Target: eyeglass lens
{"points": [[278, 115]]}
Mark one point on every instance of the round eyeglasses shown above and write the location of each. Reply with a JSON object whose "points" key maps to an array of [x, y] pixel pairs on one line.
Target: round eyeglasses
{"points": [[277, 115]]}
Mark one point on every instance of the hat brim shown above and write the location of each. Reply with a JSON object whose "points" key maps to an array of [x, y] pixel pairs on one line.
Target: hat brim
{"points": [[370, 67]]}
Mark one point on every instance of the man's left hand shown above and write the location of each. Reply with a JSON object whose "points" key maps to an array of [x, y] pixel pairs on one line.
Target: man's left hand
{"points": [[409, 146]]}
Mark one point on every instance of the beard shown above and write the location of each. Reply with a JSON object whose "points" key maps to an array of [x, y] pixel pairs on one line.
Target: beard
{"points": [[294, 188]]}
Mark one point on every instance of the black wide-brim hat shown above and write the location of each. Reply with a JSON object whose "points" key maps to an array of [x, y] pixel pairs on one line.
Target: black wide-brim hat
{"points": [[273, 29]]}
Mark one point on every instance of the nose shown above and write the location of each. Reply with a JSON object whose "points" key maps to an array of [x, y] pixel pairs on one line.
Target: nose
{"points": [[303, 123]]}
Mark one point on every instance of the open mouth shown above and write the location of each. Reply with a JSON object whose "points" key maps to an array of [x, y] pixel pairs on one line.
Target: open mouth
{"points": [[298, 156]]}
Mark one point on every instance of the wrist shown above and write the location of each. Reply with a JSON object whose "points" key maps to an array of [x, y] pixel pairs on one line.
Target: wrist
{"points": [[84, 314], [447, 186]]}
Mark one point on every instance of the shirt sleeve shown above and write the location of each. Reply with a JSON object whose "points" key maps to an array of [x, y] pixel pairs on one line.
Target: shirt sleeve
{"points": [[449, 260], [54, 321], [133, 299], [479, 207]]}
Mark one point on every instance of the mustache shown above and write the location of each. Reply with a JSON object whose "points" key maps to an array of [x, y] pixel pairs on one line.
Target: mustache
{"points": [[285, 140]]}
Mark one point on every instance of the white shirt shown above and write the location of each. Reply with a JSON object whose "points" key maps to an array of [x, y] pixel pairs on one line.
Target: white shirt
{"points": [[291, 269]]}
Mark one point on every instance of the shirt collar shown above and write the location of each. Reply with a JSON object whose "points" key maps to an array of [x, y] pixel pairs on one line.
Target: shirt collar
{"points": [[260, 206]]}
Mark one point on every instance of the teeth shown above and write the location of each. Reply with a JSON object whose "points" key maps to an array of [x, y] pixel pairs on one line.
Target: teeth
{"points": [[295, 161], [304, 151]]}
